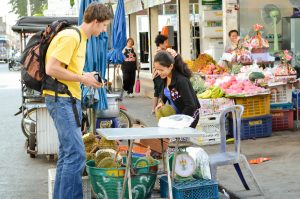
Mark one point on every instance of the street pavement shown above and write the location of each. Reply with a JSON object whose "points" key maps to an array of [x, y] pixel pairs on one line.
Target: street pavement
{"points": [[279, 177], [23, 177]]}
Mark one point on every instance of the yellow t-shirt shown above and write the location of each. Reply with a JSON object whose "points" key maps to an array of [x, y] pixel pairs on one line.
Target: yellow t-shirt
{"points": [[67, 48]]}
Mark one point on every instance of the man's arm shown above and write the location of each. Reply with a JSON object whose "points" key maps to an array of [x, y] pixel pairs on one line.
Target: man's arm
{"points": [[54, 69]]}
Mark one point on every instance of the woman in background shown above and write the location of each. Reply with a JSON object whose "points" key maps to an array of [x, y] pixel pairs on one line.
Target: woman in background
{"points": [[161, 44], [129, 66]]}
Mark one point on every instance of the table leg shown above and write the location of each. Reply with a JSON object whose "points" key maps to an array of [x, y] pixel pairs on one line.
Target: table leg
{"points": [[174, 159], [169, 176], [297, 107], [127, 172], [163, 153]]}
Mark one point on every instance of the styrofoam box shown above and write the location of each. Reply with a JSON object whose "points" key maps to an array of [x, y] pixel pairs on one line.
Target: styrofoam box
{"points": [[210, 127], [86, 185]]}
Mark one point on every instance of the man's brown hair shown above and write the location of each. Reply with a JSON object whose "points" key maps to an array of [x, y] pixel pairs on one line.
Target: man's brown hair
{"points": [[97, 11]]}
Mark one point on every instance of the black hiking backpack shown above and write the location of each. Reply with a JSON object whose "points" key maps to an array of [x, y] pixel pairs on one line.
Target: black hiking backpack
{"points": [[33, 72]]}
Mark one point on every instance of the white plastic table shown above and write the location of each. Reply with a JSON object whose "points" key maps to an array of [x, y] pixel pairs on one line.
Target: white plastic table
{"points": [[131, 134]]}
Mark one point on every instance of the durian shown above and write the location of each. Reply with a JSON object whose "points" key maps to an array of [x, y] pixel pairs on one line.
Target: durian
{"points": [[88, 138], [88, 147], [107, 144], [168, 110], [165, 111], [100, 156], [89, 156], [107, 162]]}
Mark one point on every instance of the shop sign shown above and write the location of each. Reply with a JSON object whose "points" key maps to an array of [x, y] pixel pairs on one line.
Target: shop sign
{"points": [[132, 6], [152, 3], [212, 2]]}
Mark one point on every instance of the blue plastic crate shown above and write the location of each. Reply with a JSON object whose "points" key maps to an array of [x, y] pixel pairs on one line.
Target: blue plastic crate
{"points": [[256, 127], [204, 189], [283, 106]]}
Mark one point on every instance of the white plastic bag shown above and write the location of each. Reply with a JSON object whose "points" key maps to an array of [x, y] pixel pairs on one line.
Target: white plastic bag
{"points": [[176, 121], [202, 162]]}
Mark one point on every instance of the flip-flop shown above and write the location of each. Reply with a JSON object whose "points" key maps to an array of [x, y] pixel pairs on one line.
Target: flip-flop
{"points": [[230, 141], [259, 160]]}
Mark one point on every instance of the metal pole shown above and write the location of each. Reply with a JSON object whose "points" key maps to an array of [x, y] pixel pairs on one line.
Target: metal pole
{"points": [[127, 172], [178, 25]]}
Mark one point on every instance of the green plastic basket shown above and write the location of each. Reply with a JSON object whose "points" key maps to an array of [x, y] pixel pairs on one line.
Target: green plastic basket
{"points": [[108, 183]]}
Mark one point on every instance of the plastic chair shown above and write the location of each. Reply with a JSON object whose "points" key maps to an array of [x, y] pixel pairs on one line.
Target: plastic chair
{"points": [[231, 157]]}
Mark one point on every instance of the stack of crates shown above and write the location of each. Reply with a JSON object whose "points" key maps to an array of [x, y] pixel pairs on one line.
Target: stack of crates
{"points": [[209, 122], [282, 107], [256, 119]]}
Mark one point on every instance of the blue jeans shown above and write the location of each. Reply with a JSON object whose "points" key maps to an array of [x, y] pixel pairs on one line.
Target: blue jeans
{"points": [[71, 157]]}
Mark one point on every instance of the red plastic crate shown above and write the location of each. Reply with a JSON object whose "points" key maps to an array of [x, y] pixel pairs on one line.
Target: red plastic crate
{"points": [[282, 120]]}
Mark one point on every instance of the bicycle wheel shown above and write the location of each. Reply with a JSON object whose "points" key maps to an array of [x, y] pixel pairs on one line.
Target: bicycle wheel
{"points": [[29, 115], [124, 120], [32, 144]]}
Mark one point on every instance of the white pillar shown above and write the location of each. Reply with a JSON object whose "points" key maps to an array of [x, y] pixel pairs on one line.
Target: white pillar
{"points": [[230, 18], [133, 29], [153, 32], [184, 32]]}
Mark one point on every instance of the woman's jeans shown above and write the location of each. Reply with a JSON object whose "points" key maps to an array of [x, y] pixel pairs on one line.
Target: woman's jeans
{"points": [[71, 157]]}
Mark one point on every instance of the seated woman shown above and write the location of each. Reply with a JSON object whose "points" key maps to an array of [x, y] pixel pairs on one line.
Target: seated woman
{"points": [[234, 41]]}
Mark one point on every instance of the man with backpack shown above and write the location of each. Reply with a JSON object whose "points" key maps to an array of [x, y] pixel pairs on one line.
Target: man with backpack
{"points": [[65, 60]]}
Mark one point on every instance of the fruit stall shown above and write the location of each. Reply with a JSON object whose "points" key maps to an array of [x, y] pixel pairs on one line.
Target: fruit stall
{"points": [[248, 75]]}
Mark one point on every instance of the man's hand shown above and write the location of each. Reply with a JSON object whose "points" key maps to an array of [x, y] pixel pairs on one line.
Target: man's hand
{"points": [[88, 79]]}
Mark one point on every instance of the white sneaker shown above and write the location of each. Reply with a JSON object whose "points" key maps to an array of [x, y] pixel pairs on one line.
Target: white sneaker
{"points": [[130, 95]]}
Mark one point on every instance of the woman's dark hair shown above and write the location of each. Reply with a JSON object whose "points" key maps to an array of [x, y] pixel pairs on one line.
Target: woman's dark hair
{"points": [[130, 39], [165, 59], [232, 31], [160, 39]]}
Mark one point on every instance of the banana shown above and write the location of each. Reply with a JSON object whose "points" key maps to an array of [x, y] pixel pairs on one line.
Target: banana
{"points": [[215, 88], [215, 92], [206, 94], [221, 93]]}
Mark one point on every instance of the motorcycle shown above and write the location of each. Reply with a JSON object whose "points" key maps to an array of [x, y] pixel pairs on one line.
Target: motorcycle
{"points": [[14, 62]]}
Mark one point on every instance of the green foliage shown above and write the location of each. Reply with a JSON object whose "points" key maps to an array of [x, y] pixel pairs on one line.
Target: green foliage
{"points": [[72, 2], [256, 75], [198, 83], [19, 7]]}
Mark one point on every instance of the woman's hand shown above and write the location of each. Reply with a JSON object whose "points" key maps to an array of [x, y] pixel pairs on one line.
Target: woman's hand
{"points": [[172, 52], [159, 106]]}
